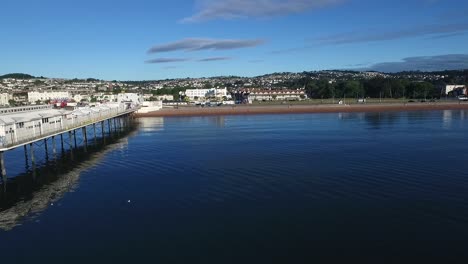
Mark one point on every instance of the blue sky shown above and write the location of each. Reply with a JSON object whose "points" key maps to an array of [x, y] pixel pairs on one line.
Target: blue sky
{"points": [[142, 40]]}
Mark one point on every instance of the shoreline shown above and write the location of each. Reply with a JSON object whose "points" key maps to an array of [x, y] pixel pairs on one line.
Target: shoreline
{"points": [[301, 109]]}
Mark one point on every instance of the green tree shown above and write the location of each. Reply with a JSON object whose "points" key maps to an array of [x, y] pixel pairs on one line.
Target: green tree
{"points": [[117, 90], [422, 90], [353, 89]]}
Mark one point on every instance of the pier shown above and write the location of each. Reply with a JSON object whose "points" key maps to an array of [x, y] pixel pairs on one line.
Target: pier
{"points": [[37, 125]]}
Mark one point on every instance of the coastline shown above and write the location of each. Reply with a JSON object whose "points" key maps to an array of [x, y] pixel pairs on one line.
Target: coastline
{"points": [[302, 109]]}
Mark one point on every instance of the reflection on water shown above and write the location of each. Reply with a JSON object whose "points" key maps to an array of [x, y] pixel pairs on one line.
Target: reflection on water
{"points": [[151, 124], [270, 188], [450, 116], [218, 121], [351, 116], [30, 193], [447, 117], [375, 120]]}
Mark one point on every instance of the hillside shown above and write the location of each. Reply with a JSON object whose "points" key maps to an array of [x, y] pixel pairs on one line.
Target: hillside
{"points": [[17, 76]]}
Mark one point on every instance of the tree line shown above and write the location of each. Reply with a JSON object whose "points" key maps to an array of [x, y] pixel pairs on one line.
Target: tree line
{"points": [[374, 88]]}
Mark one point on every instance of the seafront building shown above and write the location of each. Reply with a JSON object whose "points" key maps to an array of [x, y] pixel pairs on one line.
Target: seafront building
{"points": [[256, 94], [194, 94], [164, 97], [457, 89], [130, 97]]}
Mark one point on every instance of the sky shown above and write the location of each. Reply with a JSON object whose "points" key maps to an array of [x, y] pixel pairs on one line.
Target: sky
{"points": [[160, 39]]}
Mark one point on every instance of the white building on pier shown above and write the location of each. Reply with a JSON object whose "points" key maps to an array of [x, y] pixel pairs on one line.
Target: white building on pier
{"points": [[23, 124]]}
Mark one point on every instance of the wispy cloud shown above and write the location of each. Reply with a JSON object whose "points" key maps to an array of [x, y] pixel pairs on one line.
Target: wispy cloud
{"points": [[449, 35], [167, 60], [196, 44], [233, 9], [214, 59], [438, 30], [424, 63]]}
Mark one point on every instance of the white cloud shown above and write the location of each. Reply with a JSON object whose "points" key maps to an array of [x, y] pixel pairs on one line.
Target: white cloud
{"points": [[232, 9]]}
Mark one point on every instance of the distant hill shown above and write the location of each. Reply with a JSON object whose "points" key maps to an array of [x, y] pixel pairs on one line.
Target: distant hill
{"points": [[17, 76]]}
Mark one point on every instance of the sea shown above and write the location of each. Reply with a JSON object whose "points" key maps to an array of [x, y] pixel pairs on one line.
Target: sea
{"points": [[301, 188]]}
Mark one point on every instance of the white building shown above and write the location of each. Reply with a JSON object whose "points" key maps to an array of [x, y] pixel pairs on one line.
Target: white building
{"points": [[4, 98], [165, 97], [134, 98], [206, 93], [49, 95], [451, 88], [100, 97], [147, 107], [79, 97], [22, 124], [279, 94]]}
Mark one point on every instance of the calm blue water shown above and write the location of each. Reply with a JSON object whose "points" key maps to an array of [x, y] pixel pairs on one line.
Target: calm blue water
{"points": [[387, 188]]}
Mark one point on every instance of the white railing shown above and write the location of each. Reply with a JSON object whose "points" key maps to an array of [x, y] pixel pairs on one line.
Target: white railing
{"points": [[36, 130]]}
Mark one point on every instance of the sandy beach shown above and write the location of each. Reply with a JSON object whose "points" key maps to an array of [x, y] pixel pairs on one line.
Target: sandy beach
{"points": [[294, 109]]}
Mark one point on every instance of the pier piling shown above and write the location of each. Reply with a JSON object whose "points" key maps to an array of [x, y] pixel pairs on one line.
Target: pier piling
{"points": [[95, 138], [2, 166], [54, 150], [31, 148], [26, 155], [46, 147], [74, 136], [61, 142], [70, 139], [85, 135]]}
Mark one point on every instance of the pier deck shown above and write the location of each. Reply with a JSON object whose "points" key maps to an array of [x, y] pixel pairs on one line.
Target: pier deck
{"points": [[24, 126]]}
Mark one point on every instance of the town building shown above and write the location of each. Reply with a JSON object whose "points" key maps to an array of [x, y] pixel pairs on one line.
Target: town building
{"points": [[194, 94], [162, 97], [81, 97], [33, 97], [165, 97], [130, 97], [5, 98], [20, 98]]}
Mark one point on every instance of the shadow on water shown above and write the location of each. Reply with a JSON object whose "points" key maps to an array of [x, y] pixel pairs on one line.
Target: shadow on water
{"points": [[28, 194]]}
